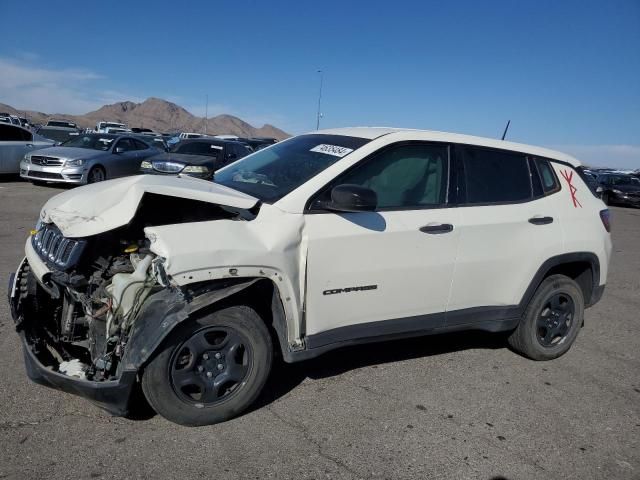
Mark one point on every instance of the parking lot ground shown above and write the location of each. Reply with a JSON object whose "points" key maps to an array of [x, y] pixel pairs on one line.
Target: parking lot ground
{"points": [[451, 406]]}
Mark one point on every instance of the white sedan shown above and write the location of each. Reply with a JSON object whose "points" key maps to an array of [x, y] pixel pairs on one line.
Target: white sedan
{"points": [[15, 142]]}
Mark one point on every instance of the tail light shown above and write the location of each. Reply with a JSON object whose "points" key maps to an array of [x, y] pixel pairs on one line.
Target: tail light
{"points": [[605, 216]]}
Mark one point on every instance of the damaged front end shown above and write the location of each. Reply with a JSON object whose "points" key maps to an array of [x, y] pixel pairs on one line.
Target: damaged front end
{"points": [[79, 302]]}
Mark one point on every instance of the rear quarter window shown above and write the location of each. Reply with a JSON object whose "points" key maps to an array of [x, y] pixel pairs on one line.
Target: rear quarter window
{"points": [[547, 175]]}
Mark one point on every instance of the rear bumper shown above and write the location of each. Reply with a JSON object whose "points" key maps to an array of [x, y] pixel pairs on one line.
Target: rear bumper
{"points": [[624, 199], [113, 395]]}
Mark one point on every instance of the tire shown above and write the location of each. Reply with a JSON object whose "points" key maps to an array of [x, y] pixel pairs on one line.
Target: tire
{"points": [[551, 321], [197, 377], [96, 174]]}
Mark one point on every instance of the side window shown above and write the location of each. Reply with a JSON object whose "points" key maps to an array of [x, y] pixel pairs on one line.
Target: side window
{"points": [[10, 133], [495, 176], [405, 176], [548, 177], [126, 144], [241, 150], [140, 145]]}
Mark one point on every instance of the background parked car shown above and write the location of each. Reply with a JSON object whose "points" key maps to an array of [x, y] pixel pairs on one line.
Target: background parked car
{"points": [[87, 158], [102, 127], [15, 142], [58, 134], [145, 131], [61, 123], [156, 141], [195, 157], [620, 189]]}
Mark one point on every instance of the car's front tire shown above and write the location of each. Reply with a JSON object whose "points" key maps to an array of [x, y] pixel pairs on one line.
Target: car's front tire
{"points": [[96, 174], [210, 369], [551, 321]]}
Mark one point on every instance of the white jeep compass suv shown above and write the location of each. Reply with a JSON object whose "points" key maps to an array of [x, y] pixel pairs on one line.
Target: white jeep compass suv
{"points": [[321, 241]]}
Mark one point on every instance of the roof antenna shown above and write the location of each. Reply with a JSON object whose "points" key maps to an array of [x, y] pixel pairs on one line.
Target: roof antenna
{"points": [[504, 134]]}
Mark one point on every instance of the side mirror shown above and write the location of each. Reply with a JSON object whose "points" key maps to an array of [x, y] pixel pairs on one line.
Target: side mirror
{"points": [[352, 198], [119, 149], [599, 190]]}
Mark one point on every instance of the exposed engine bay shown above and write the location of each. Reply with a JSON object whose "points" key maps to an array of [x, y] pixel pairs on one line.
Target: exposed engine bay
{"points": [[79, 317]]}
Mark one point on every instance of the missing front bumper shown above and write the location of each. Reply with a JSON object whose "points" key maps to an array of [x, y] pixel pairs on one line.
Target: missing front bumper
{"points": [[111, 395]]}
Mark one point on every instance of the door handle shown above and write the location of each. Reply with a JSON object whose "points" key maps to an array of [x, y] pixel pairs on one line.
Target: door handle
{"points": [[437, 228], [541, 220]]}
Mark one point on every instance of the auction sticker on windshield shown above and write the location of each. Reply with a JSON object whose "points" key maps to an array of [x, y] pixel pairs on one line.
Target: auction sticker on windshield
{"points": [[334, 150]]}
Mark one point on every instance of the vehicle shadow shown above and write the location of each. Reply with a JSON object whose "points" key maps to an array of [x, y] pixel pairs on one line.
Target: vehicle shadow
{"points": [[285, 377], [14, 177]]}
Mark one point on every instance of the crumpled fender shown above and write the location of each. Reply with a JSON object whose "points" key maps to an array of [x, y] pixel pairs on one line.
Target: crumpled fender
{"points": [[164, 310]]}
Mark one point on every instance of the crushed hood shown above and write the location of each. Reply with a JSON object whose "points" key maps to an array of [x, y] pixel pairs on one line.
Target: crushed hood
{"points": [[103, 206]]}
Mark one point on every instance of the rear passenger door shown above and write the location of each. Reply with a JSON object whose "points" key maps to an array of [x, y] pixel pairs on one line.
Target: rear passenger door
{"points": [[508, 228]]}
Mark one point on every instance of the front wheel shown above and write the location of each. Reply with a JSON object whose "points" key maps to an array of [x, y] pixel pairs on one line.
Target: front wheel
{"points": [[96, 174], [551, 321], [210, 369]]}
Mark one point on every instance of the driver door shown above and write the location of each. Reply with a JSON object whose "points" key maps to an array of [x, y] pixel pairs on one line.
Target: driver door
{"points": [[388, 271], [125, 159]]}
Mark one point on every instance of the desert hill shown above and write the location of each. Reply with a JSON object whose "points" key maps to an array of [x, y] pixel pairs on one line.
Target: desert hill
{"points": [[159, 115]]}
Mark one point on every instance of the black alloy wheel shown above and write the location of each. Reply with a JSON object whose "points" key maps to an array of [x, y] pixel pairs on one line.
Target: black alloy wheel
{"points": [[552, 320], [210, 366], [555, 319]]}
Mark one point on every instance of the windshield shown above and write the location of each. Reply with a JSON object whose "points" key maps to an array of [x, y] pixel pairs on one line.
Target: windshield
{"points": [[624, 181], [198, 148], [61, 124], [94, 142], [111, 125], [272, 173], [56, 134]]}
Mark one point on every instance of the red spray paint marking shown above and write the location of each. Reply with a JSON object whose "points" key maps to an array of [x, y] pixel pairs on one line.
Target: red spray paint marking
{"points": [[568, 176]]}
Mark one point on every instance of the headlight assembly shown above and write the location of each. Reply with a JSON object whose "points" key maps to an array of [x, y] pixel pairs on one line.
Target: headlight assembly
{"points": [[78, 162], [195, 169], [26, 159], [614, 190], [146, 164]]}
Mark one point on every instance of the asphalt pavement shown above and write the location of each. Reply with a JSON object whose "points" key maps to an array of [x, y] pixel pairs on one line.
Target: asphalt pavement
{"points": [[457, 406]]}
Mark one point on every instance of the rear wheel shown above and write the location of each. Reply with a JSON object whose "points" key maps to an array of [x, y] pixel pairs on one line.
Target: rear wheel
{"points": [[96, 174], [210, 369], [552, 320]]}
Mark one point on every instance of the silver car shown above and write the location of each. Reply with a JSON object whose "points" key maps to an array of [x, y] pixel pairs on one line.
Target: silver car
{"points": [[87, 158], [15, 142]]}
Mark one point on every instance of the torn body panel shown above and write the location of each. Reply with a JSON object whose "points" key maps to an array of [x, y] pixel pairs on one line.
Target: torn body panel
{"points": [[98, 208], [270, 246], [88, 326]]}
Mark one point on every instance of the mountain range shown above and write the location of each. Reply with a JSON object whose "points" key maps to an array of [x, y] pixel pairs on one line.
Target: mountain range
{"points": [[158, 115]]}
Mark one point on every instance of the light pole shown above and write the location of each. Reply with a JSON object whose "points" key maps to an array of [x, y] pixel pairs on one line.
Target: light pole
{"points": [[319, 100], [206, 114]]}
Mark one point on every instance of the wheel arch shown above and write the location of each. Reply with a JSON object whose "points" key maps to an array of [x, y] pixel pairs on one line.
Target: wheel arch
{"points": [[582, 267], [100, 166], [167, 309]]}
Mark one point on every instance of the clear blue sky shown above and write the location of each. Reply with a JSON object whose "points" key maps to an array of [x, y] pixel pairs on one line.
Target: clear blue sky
{"points": [[567, 73]]}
